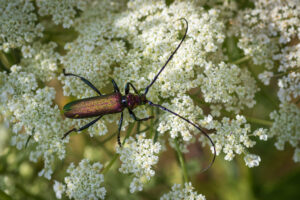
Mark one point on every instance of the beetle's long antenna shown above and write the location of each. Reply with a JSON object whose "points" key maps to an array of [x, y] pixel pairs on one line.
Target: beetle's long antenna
{"points": [[147, 88], [195, 125]]}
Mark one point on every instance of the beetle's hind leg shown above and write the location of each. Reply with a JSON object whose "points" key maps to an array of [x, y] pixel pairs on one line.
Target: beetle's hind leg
{"points": [[84, 80], [82, 128]]}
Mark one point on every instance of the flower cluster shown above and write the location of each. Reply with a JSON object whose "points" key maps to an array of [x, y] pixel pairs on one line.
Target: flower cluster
{"points": [[266, 26], [62, 12], [233, 137], [286, 127], [230, 85], [184, 106], [138, 156], [41, 60], [19, 24], [30, 112], [153, 33], [83, 182], [178, 192], [289, 83], [262, 31]]}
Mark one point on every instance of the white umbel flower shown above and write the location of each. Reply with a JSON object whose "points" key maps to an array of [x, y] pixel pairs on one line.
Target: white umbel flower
{"points": [[83, 182], [59, 189], [187, 192], [286, 126], [19, 24], [138, 156], [252, 160]]}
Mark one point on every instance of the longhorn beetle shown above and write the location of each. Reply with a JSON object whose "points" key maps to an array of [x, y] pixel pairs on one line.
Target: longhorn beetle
{"points": [[116, 103]]}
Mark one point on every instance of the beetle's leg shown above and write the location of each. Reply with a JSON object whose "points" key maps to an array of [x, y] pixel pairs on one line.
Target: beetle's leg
{"points": [[137, 119], [84, 80], [82, 128], [120, 126], [29, 137], [116, 88], [127, 88]]}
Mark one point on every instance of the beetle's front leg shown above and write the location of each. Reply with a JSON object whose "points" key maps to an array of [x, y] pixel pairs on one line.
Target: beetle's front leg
{"points": [[137, 119], [127, 88], [116, 88]]}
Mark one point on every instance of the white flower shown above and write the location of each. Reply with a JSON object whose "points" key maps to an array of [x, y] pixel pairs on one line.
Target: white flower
{"points": [[138, 156], [296, 156], [262, 133], [216, 110], [178, 193], [286, 126], [230, 85], [252, 160], [232, 136], [31, 113], [62, 11], [59, 189], [83, 182], [265, 77], [19, 24], [184, 106]]}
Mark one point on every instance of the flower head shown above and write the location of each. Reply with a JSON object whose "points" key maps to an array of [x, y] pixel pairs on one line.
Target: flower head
{"points": [[138, 156], [178, 192], [83, 182]]}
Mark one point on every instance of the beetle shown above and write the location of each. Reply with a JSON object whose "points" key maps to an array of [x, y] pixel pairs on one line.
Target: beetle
{"points": [[116, 103]]}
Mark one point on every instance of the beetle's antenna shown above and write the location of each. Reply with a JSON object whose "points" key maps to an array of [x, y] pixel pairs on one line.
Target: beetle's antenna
{"points": [[195, 125], [147, 88]]}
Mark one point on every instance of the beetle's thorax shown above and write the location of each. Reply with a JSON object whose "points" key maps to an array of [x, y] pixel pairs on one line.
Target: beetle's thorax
{"points": [[132, 100]]}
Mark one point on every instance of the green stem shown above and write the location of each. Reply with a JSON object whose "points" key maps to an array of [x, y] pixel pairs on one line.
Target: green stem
{"points": [[259, 121], [117, 155], [262, 87], [108, 138], [110, 163], [285, 73], [182, 163], [128, 132], [4, 61], [3, 67], [241, 60]]}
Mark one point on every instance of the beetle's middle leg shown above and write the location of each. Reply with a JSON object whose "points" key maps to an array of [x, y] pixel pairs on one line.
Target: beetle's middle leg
{"points": [[82, 128], [138, 119], [84, 80], [120, 126]]}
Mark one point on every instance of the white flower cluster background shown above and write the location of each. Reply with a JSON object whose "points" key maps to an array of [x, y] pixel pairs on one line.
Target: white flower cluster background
{"points": [[237, 75]]}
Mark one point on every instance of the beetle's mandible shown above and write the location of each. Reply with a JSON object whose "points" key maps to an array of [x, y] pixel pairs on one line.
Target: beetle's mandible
{"points": [[116, 103]]}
